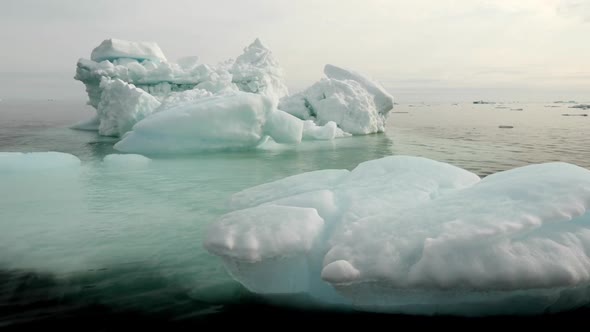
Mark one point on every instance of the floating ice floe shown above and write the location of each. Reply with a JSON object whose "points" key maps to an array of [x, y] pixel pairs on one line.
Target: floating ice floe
{"points": [[11, 162], [412, 235], [128, 82]]}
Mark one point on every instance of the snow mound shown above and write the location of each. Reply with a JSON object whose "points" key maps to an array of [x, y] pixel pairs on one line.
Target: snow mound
{"points": [[121, 106], [411, 235], [112, 49], [356, 104], [237, 120], [11, 162], [383, 100], [257, 71]]}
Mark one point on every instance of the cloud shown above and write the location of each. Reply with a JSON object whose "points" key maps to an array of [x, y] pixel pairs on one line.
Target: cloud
{"points": [[579, 9]]}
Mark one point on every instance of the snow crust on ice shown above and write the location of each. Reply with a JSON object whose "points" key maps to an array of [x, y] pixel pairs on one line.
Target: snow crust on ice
{"points": [[356, 104], [237, 120], [412, 235], [112, 49]]}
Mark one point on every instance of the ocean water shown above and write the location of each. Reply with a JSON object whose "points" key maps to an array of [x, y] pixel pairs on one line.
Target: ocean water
{"points": [[107, 246]]}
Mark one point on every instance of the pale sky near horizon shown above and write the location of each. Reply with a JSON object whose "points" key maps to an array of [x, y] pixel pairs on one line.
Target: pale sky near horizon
{"points": [[419, 49]]}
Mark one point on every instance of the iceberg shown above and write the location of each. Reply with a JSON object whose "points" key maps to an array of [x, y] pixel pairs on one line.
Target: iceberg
{"points": [[411, 235], [356, 104], [129, 83]]}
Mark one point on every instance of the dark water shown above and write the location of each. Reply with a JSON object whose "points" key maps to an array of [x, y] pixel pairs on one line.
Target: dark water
{"points": [[119, 250]]}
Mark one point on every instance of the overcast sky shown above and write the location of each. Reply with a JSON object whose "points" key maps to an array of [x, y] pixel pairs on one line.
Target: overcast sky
{"points": [[525, 49]]}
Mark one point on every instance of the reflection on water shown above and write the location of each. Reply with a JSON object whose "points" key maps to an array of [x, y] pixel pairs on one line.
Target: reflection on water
{"points": [[109, 240]]}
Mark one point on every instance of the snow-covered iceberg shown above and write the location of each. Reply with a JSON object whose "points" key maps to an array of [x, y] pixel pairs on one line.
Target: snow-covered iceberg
{"points": [[130, 82], [411, 235]]}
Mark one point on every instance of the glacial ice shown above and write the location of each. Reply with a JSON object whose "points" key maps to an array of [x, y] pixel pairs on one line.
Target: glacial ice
{"points": [[357, 105], [411, 235], [127, 82], [229, 121]]}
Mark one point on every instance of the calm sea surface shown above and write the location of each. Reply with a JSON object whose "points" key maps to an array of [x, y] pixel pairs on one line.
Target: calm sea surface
{"points": [[111, 247]]}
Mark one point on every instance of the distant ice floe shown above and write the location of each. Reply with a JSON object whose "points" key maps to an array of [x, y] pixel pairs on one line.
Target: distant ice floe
{"points": [[17, 162], [131, 82], [412, 235]]}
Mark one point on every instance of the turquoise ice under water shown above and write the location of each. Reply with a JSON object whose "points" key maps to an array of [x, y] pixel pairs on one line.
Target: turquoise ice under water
{"points": [[126, 235]]}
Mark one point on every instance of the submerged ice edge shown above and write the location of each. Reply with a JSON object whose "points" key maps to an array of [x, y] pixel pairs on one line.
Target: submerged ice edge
{"points": [[131, 82], [406, 225]]}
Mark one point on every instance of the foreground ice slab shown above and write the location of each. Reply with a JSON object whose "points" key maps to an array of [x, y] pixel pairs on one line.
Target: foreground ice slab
{"points": [[412, 235], [238, 120]]}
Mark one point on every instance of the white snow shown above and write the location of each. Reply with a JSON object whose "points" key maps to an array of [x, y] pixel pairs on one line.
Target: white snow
{"points": [[356, 104], [112, 49], [237, 120], [383, 100], [257, 71], [121, 106], [412, 235]]}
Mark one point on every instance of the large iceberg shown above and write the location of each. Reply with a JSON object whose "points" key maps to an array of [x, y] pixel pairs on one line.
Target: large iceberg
{"points": [[131, 82], [411, 235]]}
